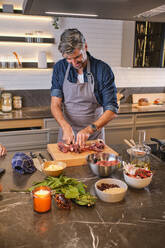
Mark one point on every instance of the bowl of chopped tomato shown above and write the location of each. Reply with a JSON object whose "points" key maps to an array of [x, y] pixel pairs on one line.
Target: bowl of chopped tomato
{"points": [[137, 177]]}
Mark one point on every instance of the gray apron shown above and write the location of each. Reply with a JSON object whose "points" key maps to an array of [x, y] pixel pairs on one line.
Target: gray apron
{"points": [[80, 107]]}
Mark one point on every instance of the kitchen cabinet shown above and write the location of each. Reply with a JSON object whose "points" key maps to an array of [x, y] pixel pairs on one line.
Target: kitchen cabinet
{"points": [[16, 124], [53, 127], [149, 44], [153, 123], [25, 139], [118, 129], [115, 131], [23, 134], [37, 133], [124, 126]]}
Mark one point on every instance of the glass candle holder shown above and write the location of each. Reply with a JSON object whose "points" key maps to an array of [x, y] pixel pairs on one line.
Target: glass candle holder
{"points": [[41, 199]]}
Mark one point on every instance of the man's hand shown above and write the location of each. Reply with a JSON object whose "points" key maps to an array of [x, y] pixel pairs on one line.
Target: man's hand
{"points": [[83, 135], [2, 151], [68, 135]]}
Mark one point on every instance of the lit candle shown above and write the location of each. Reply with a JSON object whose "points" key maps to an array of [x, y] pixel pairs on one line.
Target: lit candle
{"points": [[41, 199]]}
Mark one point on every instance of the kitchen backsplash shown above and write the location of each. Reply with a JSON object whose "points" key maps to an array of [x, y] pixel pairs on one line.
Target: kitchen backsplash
{"points": [[42, 97], [33, 97]]}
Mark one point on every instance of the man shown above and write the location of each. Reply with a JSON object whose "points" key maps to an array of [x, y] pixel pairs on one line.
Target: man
{"points": [[2, 150], [83, 92]]}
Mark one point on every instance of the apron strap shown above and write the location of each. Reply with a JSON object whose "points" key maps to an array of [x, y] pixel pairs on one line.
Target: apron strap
{"points": [[90, 76], [67, 72]]}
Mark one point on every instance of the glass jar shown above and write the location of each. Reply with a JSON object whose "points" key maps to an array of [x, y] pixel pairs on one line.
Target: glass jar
{"points": [[29, 37], [6, 102], [17, 102], [140, 155]]}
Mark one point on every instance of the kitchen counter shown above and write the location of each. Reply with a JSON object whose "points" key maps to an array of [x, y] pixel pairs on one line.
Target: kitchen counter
{"points": [[138, 221], [27, 113], [44, 112]]}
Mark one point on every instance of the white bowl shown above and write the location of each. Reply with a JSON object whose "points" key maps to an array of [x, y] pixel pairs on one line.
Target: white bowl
{"points": [[137, 183], [109, 197]]}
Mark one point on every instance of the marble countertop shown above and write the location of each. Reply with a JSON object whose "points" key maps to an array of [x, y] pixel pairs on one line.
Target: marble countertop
{"points": [[27, 113], [44, 112], [138, 221]]}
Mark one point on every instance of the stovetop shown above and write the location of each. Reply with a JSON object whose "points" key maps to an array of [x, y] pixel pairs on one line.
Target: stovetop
{"points": [[155, 151]]}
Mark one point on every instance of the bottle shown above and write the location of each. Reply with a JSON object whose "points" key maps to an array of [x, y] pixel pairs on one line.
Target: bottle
{"points": [[42, 60], [6, 102], [17, 102]]}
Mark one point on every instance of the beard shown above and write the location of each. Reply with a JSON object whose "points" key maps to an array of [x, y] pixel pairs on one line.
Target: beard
{"points": [[79, 65]]}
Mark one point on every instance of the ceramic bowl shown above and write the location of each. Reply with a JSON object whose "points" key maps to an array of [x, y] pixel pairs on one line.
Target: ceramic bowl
{"points": [[137, 183], [111, 197], [50, 171], [100, 170]]}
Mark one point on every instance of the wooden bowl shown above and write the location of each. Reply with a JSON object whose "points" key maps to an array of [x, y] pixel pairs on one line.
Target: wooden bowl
{"points": [[54, 172]]}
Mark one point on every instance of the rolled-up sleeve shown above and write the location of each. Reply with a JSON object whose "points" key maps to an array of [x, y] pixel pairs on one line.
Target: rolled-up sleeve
{"points": [[108, 90], [56, 88]]}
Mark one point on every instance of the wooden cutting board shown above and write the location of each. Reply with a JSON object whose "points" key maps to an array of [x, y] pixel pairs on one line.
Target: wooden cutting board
{"points": [[150, 96], [71, 158], [149, 107]]}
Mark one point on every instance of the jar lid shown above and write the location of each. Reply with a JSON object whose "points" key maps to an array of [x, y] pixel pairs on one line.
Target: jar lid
{"points": [[17, 97], [6, 94]]}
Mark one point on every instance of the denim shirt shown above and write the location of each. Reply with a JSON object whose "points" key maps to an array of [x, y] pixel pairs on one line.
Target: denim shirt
{"points": [[104, 88]]}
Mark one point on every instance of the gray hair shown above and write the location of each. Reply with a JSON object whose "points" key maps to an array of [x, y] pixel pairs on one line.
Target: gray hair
{"points": [[70, 40]]}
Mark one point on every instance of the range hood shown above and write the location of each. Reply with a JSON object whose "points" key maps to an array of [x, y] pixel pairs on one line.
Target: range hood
{"points": [[103, 9]]}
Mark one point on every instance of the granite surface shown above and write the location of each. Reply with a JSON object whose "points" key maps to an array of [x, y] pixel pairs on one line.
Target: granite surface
{"points": [[27, 113], [138, 221]]}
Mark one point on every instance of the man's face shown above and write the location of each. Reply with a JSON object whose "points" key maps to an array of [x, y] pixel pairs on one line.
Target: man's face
{"points": [[77, 59]]}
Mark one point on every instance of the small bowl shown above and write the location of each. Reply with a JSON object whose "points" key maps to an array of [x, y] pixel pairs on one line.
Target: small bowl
{"points": [[138, 183], [111, 197], [100, 170], [55, 172]]}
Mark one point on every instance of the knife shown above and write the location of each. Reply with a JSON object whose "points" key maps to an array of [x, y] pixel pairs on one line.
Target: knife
{"points": [[42, 157], [36, 161]]}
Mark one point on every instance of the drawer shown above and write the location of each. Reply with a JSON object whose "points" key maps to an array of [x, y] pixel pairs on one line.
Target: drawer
{"points": [[50, 123], [27, 139], [122, 120], [151, 118]]}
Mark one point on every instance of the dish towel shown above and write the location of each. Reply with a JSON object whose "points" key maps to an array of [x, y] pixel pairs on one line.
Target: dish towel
{"points": [[22, 163]]}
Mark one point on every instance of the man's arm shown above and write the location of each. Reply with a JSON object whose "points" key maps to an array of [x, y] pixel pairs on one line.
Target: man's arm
{"points": [[56, 109], [3, 150], [84, 134]]}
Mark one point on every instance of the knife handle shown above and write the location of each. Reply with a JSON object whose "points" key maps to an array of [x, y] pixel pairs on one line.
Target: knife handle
{"points": [[42, 157]]}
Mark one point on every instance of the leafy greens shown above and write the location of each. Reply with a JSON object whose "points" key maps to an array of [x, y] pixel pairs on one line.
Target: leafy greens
{"points": [[70, 187]]}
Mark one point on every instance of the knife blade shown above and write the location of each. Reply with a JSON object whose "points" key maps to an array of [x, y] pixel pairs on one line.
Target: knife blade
{"points": [[36, 161], [42, 157]]}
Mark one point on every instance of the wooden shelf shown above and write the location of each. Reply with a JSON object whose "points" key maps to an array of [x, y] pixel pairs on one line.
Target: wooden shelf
{"points": [[15, 11], [35, 65], [24, 39], [29, 65]]}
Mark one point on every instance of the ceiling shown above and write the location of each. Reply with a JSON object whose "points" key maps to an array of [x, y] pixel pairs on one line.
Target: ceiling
{"points": [[105, 9]]}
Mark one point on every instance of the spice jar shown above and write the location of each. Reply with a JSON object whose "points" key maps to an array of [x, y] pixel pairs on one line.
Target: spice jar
{"points": [[17, 102], [6, 102]]}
